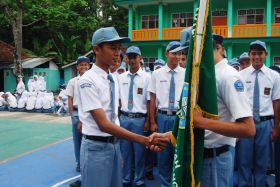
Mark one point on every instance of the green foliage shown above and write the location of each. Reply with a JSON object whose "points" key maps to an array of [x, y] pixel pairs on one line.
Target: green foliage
{"points": [[64, 27]]}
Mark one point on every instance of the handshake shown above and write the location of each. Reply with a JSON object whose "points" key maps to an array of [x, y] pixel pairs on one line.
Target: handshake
{"points": [[158, 141]]}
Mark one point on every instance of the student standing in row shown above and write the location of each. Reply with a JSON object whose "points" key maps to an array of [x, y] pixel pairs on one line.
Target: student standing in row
{"points": [[98, 93], [165, 88], [71, 92], [263, 86], [134, 106]]}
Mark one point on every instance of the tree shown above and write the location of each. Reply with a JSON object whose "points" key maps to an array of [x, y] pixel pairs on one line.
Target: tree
{"points": [[14, 13], [68, 24]]}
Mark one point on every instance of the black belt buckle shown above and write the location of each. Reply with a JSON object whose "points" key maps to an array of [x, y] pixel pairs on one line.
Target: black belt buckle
{"points": [[265, 118], [130, 115], [169, 112]]}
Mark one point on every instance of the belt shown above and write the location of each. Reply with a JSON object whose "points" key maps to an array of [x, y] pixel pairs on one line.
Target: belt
{"points": [[209, 152], [167, 112], [133, 115], [105, 139], [265, 118]]}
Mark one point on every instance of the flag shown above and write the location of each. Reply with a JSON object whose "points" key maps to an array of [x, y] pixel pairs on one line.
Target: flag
{"points": [[199, 91]]}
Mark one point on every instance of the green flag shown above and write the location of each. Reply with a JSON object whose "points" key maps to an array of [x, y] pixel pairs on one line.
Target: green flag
{"points": [[199, 91]]}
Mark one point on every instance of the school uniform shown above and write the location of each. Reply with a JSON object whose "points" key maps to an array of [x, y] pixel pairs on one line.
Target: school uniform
{"points": [[22, 101], [100, 151], [3, 102], [263, 87], [12, 102], [48, 103], [72, 90], [134, 98], [20, 88], [39, 102], [233, 104], [31, 101], [168, 92]]}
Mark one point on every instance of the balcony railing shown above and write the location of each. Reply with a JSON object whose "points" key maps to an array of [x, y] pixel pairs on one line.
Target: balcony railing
{"points": [[145, 34], [242, 31], [275, 29], [238, 31], [171, 33]]}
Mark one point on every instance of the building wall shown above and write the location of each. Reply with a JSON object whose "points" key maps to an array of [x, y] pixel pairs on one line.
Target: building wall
{"points": [[67, 74], [52, 77], [10, 81]]}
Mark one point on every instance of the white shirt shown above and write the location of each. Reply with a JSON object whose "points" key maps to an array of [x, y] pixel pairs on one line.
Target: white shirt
{"points": [[30, 104], [94, 93], [20, 87], [72, 90], [269, 84], [140, 91], [12, 101], [23, 99], [233, 102], [48, 101], [39, 100], [160, 85], [2, 101]]}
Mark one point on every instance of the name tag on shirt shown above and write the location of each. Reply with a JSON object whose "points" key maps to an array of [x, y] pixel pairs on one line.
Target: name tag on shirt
{"points": [[125, 83], [140, 91], [162, 81], [267, 91]]}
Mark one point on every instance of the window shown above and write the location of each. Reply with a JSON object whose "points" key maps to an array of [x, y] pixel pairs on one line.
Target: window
{"points": [[218, 13], [276, 60], [250, 16], [277, 15], [182, 20], [150, 22], [149, 62]]}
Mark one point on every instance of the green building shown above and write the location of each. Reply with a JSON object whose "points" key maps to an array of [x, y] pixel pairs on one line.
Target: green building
{"points": [[154, 23], [33, 66]]}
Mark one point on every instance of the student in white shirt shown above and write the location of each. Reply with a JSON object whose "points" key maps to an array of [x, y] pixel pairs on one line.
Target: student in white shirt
{"points": [[263, 91], [3, 103], [235, 120], [134, 108], [72, 93], [98, 93], [23, 101], [20, 87], [165, 87], [12, 102]]}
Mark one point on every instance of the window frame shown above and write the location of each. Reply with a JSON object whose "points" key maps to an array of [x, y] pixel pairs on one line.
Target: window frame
{"points": [[274, 57], [187, 18], [148, 21], [275, 15], [254, 14]]}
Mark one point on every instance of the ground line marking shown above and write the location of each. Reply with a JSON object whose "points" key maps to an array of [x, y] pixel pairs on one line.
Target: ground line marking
{"points": [[33, 150], [66, 180]]}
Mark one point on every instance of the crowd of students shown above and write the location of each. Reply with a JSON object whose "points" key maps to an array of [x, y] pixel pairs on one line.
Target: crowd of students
{"points": [[147, 103], [35, 98]]}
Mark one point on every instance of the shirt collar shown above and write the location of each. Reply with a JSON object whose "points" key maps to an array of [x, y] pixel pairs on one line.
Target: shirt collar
{"points": [[99, 71], [222, 63], [167, 69], [139, 72], [263, 69]]}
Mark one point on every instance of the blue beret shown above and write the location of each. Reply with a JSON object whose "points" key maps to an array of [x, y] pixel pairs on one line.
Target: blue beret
{"points": [[107, 34], [258, 44], [133, 49], [83, 59], [172, 45]]}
